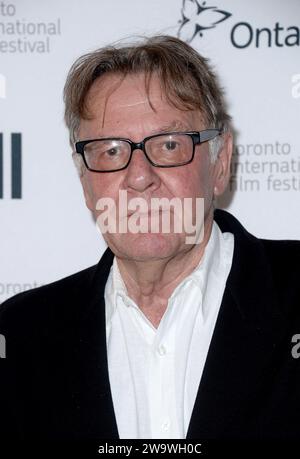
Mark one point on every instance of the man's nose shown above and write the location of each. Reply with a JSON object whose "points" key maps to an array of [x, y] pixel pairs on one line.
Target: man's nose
{"points": [[140, 174]]}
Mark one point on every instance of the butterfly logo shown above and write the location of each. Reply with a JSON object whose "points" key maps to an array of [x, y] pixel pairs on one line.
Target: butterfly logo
{"points": [[196, 18]]}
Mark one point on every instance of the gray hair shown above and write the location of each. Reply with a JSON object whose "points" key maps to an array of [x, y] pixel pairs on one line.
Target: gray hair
{"points": [[187, 80]]}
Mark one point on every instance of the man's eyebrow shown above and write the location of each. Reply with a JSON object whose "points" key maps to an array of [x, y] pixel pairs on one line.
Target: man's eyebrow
{"points": [[175, 125]]}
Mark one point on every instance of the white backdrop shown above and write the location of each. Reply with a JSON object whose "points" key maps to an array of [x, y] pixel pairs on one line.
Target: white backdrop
{"points": [[45, 231]]}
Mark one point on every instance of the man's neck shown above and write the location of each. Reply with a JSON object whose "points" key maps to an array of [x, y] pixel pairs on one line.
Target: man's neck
{"points": [[151, 283]]}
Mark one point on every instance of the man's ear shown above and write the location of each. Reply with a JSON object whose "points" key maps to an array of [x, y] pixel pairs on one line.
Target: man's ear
{"points": [[87, 189], [82, 173], [222, 165], [78, 162]]}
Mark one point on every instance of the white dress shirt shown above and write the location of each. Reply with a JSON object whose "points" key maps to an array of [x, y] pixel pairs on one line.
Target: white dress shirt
{"points": [[155, 373]]}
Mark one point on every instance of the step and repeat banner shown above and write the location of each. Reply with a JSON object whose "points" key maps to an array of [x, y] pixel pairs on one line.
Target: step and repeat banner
{"points": [[46, 232]]}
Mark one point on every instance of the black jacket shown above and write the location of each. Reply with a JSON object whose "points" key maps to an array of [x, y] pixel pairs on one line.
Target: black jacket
{"points": [[54, 380]]}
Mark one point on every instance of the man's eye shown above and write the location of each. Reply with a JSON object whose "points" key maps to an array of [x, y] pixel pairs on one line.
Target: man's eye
{"points": [[170, 145], [113, 151]]}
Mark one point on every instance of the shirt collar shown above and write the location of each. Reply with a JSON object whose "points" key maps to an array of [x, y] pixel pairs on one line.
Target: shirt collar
{"points": [[199, 276], [215, 259]]}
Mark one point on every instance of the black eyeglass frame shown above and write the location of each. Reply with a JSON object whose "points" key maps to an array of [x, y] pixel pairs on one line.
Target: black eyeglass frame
{"points": [[197, 137]]}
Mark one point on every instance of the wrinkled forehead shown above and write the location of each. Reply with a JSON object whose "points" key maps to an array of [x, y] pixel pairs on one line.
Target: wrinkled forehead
{"points": [[112, 93], [123, 91]]}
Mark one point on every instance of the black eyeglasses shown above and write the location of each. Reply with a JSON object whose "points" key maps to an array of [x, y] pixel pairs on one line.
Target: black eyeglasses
{"points": [[170, 149]]}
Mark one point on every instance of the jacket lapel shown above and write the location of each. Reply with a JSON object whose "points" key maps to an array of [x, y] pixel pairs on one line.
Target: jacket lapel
{"points": [[238, 368], [93, 406]]}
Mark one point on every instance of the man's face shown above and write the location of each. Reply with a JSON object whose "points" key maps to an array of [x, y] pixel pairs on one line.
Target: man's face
{"points": [[121, 108]]}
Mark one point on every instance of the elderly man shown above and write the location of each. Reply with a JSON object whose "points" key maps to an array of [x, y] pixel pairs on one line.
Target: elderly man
{"points": [[164, 338]]}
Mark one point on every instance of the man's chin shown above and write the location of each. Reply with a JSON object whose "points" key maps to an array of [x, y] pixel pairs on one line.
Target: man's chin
{"points": [[144, 246]]}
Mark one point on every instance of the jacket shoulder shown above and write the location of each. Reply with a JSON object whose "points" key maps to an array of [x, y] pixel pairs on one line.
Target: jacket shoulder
{"points": [[41, 304], [283, 251], [284, 259], [265, 262]]}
